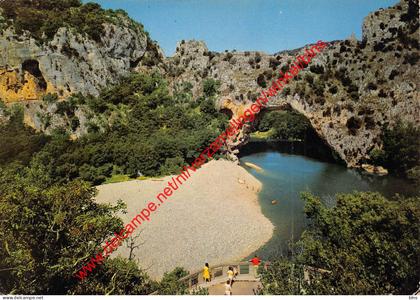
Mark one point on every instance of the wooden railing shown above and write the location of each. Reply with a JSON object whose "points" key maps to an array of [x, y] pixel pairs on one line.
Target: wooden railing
{"points": [[245, 270]]}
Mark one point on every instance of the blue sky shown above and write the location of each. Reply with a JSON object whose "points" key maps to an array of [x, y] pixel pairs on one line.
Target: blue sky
{"points": [[265, 25]]}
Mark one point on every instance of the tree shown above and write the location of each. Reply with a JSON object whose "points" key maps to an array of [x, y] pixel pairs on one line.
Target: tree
{"points": [[401, 148], [131, 244], [170, 284], [117, 276], [134, 126], [207, 107], [282, 277], [40, 17], [19, 142], [48, 231], [365, 244], [287, 125]]}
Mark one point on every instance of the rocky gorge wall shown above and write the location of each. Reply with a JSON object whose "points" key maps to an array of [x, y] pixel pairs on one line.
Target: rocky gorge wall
{"points": [[70, 62], [348, 92]]}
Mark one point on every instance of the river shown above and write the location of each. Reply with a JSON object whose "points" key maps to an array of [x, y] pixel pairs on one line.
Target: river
{"points": [[287, 172]]}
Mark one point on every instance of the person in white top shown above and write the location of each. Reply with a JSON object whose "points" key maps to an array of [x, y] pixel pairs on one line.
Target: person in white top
{"points": [[228, 288]]}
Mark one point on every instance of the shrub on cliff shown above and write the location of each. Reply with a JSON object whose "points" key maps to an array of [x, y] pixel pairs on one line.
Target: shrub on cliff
{"points": [[41, 17], [317, 69], [353, 124], [50, 98], [333, 89], [207, 107], [210, 87], [261, 81]]}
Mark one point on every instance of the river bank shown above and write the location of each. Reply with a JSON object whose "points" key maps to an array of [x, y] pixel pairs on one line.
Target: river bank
{"points": [[215, 217], [287, 172]]}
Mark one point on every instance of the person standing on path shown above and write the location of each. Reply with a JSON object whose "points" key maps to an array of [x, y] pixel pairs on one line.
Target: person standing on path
{"points": [[235, 272], [206, 273], [230, 276], [228, 288], [255, 262]]}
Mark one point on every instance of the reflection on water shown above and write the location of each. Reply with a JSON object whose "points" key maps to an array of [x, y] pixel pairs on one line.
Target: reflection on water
{"points": [[286, 175]]}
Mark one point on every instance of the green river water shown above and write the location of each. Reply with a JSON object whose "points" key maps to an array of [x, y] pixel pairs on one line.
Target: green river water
{"points": [[287, 172]]}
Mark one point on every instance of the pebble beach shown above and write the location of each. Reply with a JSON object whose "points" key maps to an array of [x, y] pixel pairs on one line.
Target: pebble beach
{"points": [[214, 217]]}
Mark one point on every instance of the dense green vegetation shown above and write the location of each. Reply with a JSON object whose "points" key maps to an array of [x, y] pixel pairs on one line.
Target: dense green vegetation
{"points": [[283, 125], [48, 231], [135, 128], [366, 244], [401, 150], [50, 224], [172, 285], [44, 17], [18, 142]]}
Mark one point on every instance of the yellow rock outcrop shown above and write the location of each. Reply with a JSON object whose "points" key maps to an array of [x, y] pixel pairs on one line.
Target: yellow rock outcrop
{"points": [[13, 89], [236, 109]]}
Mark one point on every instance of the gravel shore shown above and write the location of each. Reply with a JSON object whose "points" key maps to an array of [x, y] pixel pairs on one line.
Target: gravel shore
{"points": [[214, 217]]}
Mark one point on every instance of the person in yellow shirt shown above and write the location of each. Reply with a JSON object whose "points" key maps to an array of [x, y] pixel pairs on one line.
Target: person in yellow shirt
{"points": [[230, 275], [206, 273]]}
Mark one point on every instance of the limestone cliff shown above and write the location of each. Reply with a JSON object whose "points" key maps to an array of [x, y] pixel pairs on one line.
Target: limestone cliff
{"points": [[71, 62], [348, 93]]}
